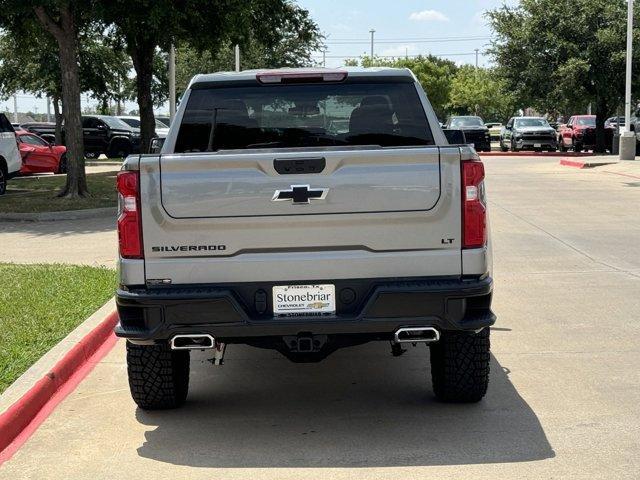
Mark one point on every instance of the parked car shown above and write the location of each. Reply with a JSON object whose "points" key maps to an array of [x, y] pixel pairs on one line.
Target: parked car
{"points": [[494, 130], [109, 135], [45, 130], [528, 133], [10, 161], [134, 122], [475, 131], [313, 241], [580, 134], [614, 122], [39, 156]]}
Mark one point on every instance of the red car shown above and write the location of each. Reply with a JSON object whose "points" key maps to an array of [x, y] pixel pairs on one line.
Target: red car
{"points": [[580, 134], [38, 156]]}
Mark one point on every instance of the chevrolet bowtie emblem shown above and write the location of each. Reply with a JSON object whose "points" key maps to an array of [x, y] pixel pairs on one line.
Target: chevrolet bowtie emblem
{"points": [[300, 194]]}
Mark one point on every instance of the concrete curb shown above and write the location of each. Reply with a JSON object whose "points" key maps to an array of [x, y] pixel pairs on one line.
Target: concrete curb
{"points": [[567, 162], [33, 396], [57, 216], [535, 154]]}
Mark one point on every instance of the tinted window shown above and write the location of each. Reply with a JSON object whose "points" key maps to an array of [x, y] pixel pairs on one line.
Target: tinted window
{"points": [[132, 122], [458, 122], [311, 115], [115, 122], [5, 124], [531, 122], [32, 140], [586, 121], [90, 122]]}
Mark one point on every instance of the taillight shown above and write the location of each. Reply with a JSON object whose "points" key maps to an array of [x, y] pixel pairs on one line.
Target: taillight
{"points": [[474, 211], [129, 222]]}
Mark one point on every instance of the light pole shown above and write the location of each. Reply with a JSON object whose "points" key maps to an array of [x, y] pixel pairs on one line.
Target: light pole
{"points": [[628, 138], [237, 51], [372, 31], [172, 82], [477, 50]]}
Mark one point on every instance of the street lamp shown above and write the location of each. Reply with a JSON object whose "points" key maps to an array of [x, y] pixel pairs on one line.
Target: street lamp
{"points": [[628, 138]]}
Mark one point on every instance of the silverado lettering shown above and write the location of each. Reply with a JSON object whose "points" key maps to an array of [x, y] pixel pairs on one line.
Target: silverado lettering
{"points": [[189, 248]]}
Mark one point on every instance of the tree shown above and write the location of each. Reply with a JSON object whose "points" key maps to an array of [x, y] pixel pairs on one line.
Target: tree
{"points": [[434, 74], [556, 55], [61, 19], [478, 91], [30, 63], [148, 27], [299, 38]]}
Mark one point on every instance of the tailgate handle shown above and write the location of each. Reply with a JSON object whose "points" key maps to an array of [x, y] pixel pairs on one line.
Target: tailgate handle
{"points": [[295, 166]]}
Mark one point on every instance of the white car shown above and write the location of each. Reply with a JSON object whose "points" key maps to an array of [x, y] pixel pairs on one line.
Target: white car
{"points": [[161, 128], [10, 160]]}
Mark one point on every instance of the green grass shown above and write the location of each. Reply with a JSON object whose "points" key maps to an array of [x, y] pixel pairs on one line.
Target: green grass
{"points": [[39, 194], [40, 305]]}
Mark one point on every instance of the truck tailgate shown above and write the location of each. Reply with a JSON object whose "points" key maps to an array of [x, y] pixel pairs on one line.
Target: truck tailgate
{"points": [[212, 217]]}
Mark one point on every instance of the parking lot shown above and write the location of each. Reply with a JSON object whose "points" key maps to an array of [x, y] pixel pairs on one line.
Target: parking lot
{"points": [[563, 400]]}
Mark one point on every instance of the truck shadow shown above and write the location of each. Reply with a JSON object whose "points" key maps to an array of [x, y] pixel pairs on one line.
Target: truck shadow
{"points": [[358, 408]]}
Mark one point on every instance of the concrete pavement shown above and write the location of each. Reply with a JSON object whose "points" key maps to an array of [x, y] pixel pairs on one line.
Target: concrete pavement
{"points": [[563, 401]]}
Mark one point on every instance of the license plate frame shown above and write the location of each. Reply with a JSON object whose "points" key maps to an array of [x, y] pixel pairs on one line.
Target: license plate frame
{"points": [[302, 300], [537, 145]]}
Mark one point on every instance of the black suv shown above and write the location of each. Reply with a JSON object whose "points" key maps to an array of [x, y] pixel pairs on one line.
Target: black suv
{"points": [[475, 131], [109, 135]]}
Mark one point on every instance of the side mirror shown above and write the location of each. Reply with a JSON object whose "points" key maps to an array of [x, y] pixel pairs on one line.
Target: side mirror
{"points": [[156, 144], [454, 137]]}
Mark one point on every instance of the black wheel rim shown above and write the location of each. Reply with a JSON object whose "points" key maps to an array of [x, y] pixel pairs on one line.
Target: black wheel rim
{"points": [[3, 182]]}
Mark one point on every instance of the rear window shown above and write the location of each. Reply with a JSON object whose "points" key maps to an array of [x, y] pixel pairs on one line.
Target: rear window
{"points": [[458, 122], [311, 115]]}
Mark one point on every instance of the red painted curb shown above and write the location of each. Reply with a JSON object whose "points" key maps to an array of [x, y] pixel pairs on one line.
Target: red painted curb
{"points": [[536, 154], [574, 163], [22, 418]]}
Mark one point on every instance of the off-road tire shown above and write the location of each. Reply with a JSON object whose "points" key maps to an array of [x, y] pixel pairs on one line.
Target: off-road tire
{"points": [[460, 366], [158, 376], [503, 148], [513, 147]]}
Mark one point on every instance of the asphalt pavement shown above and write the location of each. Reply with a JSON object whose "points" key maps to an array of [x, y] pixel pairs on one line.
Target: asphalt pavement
{"points": [[563, 400]]}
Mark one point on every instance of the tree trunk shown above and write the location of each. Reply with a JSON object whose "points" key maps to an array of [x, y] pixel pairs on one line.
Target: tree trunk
{"points": [[58, 118], [142, 57], [65, 33], [601, 116]]}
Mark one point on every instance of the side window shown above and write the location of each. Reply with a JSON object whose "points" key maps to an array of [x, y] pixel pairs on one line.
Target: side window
{"points": [[32, 140], [570, 122], [5, 124], [89, 122]]}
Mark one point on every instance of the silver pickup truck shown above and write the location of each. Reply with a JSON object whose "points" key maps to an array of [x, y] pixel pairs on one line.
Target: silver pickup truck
{"points": [[304, 211]]}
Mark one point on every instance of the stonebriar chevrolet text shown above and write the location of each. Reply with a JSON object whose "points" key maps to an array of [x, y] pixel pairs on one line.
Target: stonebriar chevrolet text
{"points": [[304, 211]]}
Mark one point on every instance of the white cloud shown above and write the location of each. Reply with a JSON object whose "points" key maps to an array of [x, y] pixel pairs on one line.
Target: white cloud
{"points": [[429, 16]]}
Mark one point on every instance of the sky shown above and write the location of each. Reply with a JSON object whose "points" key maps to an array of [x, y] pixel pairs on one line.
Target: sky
{"points": [[452, 29]]}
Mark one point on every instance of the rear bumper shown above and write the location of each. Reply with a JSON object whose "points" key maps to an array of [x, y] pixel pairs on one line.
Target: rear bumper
{"points": [[234, 312]]}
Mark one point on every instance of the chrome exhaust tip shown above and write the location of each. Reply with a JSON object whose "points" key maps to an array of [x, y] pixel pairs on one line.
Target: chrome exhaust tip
{"points": [[200, 341], [416, 335]]}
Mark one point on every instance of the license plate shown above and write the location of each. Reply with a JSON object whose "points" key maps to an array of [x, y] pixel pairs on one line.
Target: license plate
{"points": [[304, 299], [537, 145]]}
